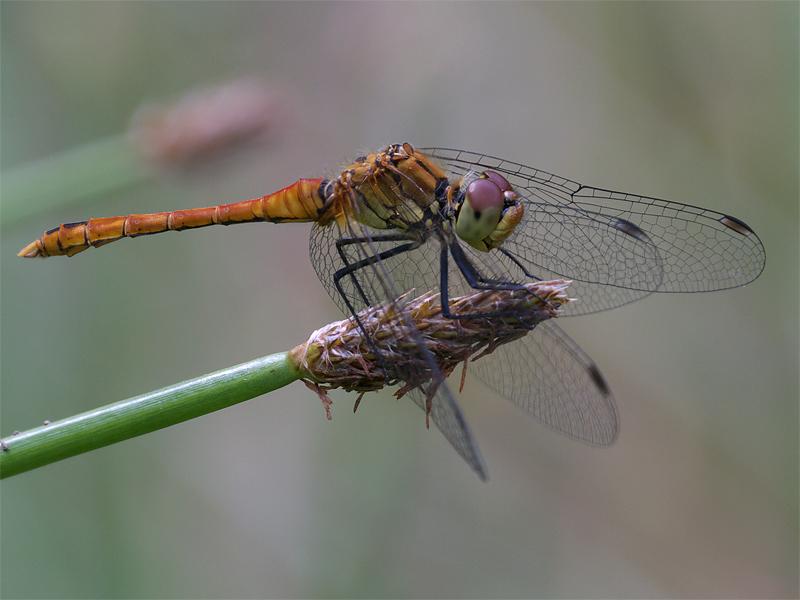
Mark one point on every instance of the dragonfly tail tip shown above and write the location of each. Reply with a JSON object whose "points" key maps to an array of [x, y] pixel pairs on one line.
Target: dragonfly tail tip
{"points": [[32, 250]]}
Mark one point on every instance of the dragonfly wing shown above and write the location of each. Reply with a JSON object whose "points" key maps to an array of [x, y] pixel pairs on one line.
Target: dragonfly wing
{"points": [[449, 419], [384, 282], [548, 376], [703, 250], [608, 268], [617, 247]]}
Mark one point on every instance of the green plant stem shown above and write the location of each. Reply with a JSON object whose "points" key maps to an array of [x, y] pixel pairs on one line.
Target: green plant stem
{"points": [[143, 414], [88, 171]]}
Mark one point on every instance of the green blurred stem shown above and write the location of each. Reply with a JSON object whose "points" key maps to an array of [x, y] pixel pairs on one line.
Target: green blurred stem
{"points": [[136, 416], [88, 171]]}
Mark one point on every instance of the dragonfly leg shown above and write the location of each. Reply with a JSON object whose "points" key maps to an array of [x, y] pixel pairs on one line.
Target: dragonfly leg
{"points": [[517, 262], [473, 278], [342, 242], [351, 268]]}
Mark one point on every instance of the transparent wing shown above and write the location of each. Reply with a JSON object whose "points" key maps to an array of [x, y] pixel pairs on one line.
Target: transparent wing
{"points": [[617, 247], [382, 283], [609, 267], [548, 376], [449, 419]]}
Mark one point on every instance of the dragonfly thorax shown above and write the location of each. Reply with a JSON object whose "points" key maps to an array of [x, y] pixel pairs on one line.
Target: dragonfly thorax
{"points": [[390, 189]]}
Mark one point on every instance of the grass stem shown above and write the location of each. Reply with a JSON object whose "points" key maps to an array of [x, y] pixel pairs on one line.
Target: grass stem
{"points": [[149, 412]]}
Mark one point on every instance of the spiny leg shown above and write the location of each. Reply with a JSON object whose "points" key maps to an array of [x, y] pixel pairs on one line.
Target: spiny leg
{"points": [[517, 262], [473, 278], [351, 268], [342, 242]]}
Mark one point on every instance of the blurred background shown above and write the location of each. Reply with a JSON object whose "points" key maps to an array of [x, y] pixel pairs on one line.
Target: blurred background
{"points": [[691, 102]]}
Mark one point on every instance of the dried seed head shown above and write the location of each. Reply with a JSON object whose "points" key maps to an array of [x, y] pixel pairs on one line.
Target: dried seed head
{"points": [[339, 355]]}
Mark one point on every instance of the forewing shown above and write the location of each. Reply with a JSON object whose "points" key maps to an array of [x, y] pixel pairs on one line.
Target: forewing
{"points": [[557, 242], [617, 247], [384, 282], [548, 376], [702, 250]]}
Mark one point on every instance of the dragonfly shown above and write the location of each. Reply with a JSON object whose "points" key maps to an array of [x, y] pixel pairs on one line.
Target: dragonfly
{"points": [[405, 218]]}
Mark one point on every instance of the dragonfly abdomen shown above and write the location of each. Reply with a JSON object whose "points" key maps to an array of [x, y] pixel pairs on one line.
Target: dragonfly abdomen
{"points": [[298, 202]]}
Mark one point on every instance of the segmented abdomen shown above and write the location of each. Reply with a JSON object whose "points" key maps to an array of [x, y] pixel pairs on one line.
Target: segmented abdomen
{"points": [[298, 202]]}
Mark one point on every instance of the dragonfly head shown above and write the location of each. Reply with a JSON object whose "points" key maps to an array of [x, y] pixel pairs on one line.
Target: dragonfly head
{"points": [[488, 211]]}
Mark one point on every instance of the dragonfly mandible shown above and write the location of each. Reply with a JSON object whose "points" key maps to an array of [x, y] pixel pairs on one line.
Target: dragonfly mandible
{"points": [[404, 219]]}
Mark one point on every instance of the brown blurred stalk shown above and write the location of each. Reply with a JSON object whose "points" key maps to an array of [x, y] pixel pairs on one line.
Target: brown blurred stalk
{"points": [[200, 125]]}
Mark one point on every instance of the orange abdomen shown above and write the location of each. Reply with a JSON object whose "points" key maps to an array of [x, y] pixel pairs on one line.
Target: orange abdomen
{"points": [[299, 202]]}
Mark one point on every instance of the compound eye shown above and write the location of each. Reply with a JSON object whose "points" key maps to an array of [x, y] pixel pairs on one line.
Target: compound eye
{"points": [[480, 212], [484, 195], [498, 180]]}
